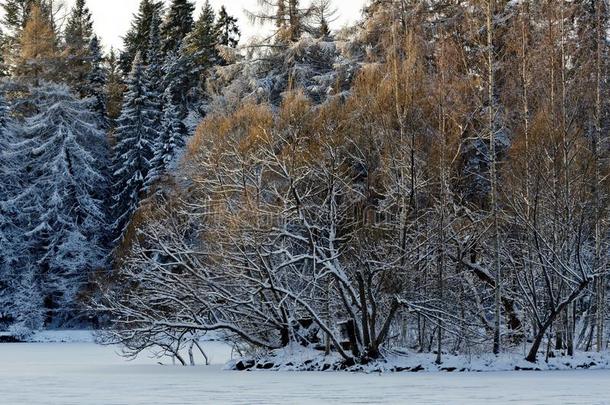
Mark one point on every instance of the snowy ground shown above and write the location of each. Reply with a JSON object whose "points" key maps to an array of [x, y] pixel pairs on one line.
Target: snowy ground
{"points": [[84, 373]]}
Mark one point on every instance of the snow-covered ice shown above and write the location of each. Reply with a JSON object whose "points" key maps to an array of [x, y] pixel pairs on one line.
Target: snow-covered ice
{"points": [[85, 373]]}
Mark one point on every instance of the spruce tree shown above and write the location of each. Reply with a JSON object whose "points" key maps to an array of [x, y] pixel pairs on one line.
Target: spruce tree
{"points": [[178, 24], [77, 36], [21, 306], [8, 184], [114, 87], [96, 81], [79, 27], [178, 78], [179, 74], [137, 38], [227, 29], [63, 203], [201, 42], [136, 135], [170, 141], [154, 68]]}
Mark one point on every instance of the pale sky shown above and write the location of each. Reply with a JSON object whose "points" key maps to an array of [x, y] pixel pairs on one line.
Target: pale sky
{"points": [[112, 17]]}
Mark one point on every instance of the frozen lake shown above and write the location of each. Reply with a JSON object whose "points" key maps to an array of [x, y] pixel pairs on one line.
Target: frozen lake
{"points": [[84, 373]]}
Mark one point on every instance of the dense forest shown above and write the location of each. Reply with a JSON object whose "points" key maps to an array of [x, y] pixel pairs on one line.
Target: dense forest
{"points": [[432, 179]]}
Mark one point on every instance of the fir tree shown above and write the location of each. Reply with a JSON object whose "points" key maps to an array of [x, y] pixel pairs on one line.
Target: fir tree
{"points": [[114, 88], [201, 42], [136, 135], [78, 35], [8, 184], [170, 141], [25, 303], [21, 304], [64, 199], [179, 75], [154, 68], [79, 28], [178, 24], [227, 29], [96, 81], [137, 38]]}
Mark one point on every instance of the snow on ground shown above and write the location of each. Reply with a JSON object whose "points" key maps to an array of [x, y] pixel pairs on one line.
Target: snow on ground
{"points": [[61, 336], [298, 358], [85, 373]]}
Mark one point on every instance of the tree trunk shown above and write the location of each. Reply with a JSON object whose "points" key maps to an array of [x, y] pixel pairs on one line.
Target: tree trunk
{"points": [[493, 177]]}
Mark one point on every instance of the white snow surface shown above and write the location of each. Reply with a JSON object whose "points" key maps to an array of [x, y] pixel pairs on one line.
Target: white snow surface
{"points": [[298, 358], [85, 373]]}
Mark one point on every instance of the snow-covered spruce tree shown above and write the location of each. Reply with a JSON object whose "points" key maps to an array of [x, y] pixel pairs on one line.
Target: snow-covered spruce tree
{"points": [[7, 230], [78, 35], [137, 38], [179, 75], [136, 134], [177, 25], [178, 79], [63, 201], [21, 303], [154, 65], [96, 81], [171, 139], [6, 169]]}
